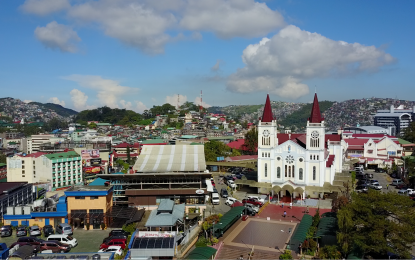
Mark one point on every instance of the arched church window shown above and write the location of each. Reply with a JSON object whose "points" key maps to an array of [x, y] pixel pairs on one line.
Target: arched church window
{"points": [[278, 172], [266, 170], [314, 173], [289, 171], [300, 174], [317, 157], [289, 148], [314, 157], [262, 154], [286, 171], [293, 172], [311, 157]]}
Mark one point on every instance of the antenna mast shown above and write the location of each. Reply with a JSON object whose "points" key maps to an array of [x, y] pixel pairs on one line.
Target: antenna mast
{"points": [[201, 102]]}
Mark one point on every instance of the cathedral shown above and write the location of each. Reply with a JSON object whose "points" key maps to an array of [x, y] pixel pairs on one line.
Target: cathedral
{"points": [[297, 165]]}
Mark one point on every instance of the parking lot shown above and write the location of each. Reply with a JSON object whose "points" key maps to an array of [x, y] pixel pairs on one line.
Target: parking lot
{"points": [[384, 179], [88, 240]]}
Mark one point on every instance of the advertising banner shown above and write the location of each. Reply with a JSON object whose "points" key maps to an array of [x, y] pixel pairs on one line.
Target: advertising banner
{"points": [[89, 154], [92, 170], [96, 161]]}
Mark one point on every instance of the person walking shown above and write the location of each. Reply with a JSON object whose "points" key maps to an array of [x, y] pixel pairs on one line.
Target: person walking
{"points": [[387, 186], [285, 213], [282, 205], [291, 205], [306, 210]]}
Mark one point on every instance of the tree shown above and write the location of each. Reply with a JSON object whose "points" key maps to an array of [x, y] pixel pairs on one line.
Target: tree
{"points": [[329, 252], [92, 125], [381, 223], [409, 133], [251, 141], [128, 154], [286, 255], [3, 158], [214, 149]]}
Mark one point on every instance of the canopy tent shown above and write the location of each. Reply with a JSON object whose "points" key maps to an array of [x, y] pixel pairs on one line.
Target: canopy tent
{"points": [[202, 253], [228, 220], [327, 231], [300, 232]]}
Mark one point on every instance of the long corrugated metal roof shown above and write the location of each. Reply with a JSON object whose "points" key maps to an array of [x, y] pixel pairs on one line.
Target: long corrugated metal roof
{"points": [[171, 158]]}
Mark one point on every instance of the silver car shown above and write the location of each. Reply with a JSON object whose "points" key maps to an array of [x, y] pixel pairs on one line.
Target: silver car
{"points": [[34, 231], [253, 207]]}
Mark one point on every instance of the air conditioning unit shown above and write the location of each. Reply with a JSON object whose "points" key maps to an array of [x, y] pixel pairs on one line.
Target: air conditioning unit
{"points": [[27, 210], [10, 210], [18, 210]]}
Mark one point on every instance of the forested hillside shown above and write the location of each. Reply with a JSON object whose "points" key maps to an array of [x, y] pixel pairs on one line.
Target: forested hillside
{"points": [[60, 110], [109, 115]]}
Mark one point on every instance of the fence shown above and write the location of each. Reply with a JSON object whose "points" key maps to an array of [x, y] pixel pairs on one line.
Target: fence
{"points": [[192, 238]]}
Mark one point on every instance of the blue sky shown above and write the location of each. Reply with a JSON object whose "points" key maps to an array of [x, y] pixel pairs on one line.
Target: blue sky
{"points": [[136, 54]]}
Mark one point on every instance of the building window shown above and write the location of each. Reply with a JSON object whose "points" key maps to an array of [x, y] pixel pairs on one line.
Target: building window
{"points": [[300, 174], [80, 198], [314, 173], [285, 170], [266, 170], [289, 148], [317, 157], [262, 154], [278, 172], [311, 157], [293, 172], [278, 158], [289, 171]]}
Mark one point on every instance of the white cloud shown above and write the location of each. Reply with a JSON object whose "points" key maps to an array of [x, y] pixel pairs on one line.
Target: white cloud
{"points": [[279, 65], [126, 104], [135, 24], [231, 18], [216, 67], [79, 99], [204, 104], [140, 107], [149, 25], [58, 36], [109, 91], [172, 100], [56, 100], [44, 7], [27, 101]]}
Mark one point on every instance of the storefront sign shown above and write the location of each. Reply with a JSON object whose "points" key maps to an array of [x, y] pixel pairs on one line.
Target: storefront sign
{"points": [[92, 170], [200, 192], [96, 161], [156, 234]]}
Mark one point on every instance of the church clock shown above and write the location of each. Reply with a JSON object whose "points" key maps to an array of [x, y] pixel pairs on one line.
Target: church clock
{"points": [[265, 133], [314, 134]]}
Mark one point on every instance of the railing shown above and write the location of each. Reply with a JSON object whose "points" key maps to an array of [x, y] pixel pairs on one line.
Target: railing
{"points": [[190, 242]]}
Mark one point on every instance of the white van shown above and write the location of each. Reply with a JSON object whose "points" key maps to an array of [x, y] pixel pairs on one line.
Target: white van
{"points": [[66, 239], [215, 198], [396, 182]]}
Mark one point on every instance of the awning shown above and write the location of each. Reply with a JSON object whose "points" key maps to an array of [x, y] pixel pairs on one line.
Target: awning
{"points": [[202, 253], [209, 186], [300, 232]]}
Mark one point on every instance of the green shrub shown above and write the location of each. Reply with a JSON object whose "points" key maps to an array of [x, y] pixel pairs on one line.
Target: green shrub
{"points": [[286, 255], [201, 242]]}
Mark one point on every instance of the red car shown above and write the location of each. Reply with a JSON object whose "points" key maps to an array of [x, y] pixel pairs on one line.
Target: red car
{"points": [[252, 201], [114, 242]]}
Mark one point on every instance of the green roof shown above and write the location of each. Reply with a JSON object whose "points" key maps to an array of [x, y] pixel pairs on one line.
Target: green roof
{"points": [[153, 141], [221, 138], [12, 143], [171, 128], [205, 252], [188, 136], [66, 155], [103, 124], [401, 141], [301, 231], [195, 143], [327, 227], [2, 164], [228, 219]]}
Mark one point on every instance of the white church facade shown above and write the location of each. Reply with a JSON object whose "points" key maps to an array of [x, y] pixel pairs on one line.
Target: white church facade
{"points": [[297, 165]]}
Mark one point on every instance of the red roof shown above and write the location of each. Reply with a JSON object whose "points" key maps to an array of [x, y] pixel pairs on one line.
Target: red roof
{"points": [[34, 155], [301, 138], [355, 141], [267, 114], [125, 155], [330, 160], [156, 144], [315, 112], [239, 144], [124, 145], [367, 136]]}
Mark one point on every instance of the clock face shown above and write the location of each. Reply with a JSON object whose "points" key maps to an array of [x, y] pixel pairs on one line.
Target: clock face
{"points": [[289, 159], [314, 134], [266, 133]]}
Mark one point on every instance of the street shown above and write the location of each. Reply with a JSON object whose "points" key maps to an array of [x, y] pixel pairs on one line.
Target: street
{"points": [[384, 179]]}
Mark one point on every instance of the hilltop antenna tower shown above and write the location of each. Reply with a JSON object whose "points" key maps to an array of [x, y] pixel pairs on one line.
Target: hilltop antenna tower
{"points": [[201, 102], [178, 102]]}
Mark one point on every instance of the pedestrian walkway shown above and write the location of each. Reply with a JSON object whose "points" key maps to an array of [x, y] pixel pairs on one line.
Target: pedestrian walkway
{"points": [[276, 212]]}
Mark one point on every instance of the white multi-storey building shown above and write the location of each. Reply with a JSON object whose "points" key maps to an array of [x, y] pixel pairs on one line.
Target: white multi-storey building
{"points": [[297, 165]]}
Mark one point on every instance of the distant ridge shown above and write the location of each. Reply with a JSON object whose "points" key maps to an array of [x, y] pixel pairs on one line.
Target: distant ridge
{"points": [[60, 110]]}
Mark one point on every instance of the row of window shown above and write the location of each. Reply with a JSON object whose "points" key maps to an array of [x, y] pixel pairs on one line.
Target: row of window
{"points": [[83, 197], [289, 172], [266, 140], [266, 155]]}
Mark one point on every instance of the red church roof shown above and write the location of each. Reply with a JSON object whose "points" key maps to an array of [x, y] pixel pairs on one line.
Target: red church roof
{"points": [[124, 145], [267, 114], [315, 112], [330, 160]]}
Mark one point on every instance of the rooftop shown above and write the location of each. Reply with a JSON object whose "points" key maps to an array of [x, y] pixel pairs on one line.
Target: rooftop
{"points": [[70, 154], [33, 155], [88, 188]]}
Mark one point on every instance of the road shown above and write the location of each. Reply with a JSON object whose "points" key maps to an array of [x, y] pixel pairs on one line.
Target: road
{"points": [[384, 179], [221, 208]]}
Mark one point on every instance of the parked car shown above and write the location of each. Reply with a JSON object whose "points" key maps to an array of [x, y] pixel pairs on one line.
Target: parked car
{"points": [[375, 186], [253, 207], [260, 198], [35, 231], [252, 201], [249, 211], [23, 252], [119, 232], [228, 177], [403, 192], [224, 193], [410, 191], [48, 230], [231, 184], [21, 231], [401, 186], [396, 182], [239, 176], [373, 181], [114, 242], [56, 247], [33, 241], [230, 201], [64, 239], [120, 236], [6, 231], [64, 228], [215, 198], [116, 249], [215, 190], [379, 170], [361, 188], [369, 175]]}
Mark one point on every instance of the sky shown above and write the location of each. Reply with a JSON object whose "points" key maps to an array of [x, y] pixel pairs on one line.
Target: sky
{"points": [[134, 54]]}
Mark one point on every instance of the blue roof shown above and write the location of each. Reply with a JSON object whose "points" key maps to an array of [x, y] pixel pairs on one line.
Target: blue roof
{"points": [[98, 182], [118, 173]]}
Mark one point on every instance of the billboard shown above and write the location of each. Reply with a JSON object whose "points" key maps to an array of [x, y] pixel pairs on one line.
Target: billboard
{"points": [[89, 154], [92, 170], [96, 161]]}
